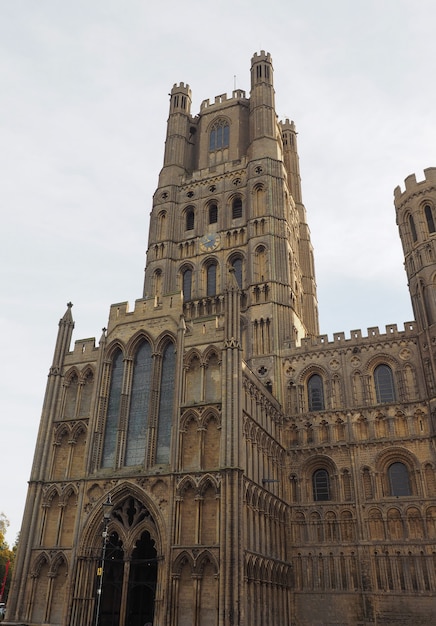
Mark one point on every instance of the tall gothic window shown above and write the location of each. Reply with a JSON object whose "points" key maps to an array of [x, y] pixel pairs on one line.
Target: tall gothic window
{"points": [[110, 438], [219, 135], [139, 401], [384, 384], [166, 404], [315, 393], [399, 483]]}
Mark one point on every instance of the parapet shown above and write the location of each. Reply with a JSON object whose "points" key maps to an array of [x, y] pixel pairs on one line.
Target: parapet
{"points": [[356, 337], [237, 94], [146, 309], [414, 187]]}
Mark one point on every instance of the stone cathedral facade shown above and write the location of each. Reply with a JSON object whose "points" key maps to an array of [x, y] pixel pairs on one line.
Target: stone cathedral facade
{"points": [[259, 474]]}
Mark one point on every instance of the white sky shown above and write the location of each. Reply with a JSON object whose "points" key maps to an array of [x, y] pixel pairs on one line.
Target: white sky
{"points": [[83, 107]]}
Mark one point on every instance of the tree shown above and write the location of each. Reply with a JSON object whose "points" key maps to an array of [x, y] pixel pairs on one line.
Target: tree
{"points": [[7, 558]]}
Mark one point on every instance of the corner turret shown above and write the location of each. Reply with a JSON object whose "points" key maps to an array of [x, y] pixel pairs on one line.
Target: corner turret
{"points": [[263, 118], [180, 133], [416, 218]]}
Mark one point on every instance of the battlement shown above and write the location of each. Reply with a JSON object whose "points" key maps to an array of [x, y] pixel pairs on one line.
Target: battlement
{"points": [[150, 308], [413, 187], [287, 125], [181, 88], [356, 337], [237, 94], [263, 56]]}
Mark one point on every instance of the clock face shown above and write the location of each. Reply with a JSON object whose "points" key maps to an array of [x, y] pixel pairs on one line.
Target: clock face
{"points": [[209, 242]]}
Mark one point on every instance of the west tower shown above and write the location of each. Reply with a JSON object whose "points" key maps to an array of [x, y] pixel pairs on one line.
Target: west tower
{"points": [[229, 196]]}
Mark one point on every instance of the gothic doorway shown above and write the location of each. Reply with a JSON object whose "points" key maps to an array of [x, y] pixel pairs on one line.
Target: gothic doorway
{"points": [[131, 567]]}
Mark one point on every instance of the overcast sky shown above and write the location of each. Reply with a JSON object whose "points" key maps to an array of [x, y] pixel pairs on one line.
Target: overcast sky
{"points": [[84, 90]]}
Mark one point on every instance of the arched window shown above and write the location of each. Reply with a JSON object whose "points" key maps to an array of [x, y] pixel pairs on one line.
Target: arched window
{"points": [[384, 384], [110, 435], [139, 401], [211, 279], [187, 285], [190, 219], [399, 483], [315, 393], [429, 217], [413, 229], [237, 266], [213, 213], [219, 135], [236, 208], [321, 485]]}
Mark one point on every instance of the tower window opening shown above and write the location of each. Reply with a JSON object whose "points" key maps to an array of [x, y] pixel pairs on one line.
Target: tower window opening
{"points": [[413, 229], [384, 384], [213, 213], [237, 266], [211, 280], [190, 219], [187, 285], [429, 217], [219, 135], [237, 208]]}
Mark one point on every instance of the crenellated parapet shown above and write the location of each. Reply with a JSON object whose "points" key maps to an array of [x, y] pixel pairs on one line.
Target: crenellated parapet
{"points": [[223, 99], [414, 188], [321, 342]]}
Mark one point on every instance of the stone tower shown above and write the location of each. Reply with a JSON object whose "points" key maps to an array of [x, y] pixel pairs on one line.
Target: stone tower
{"points": [[251, 471], [416, 219]]}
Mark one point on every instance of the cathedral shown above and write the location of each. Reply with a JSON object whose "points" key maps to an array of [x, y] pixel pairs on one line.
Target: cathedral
{"points": [[213, 460]]}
